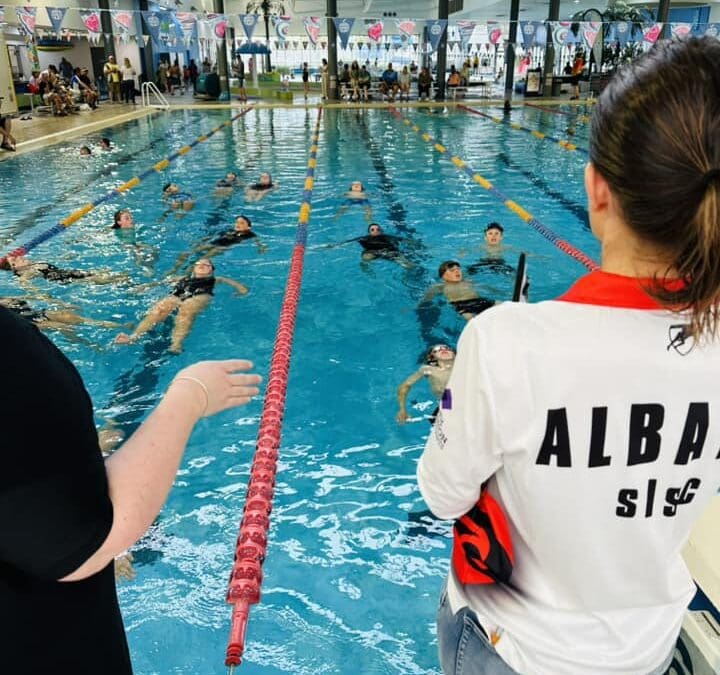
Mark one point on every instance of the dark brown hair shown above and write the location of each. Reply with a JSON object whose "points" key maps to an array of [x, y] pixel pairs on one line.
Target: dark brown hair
{"points": [[656, 141]]}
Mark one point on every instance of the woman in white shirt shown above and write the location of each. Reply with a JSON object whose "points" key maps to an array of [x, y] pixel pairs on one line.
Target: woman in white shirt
{"points": [[128, 81], [588, 418]]}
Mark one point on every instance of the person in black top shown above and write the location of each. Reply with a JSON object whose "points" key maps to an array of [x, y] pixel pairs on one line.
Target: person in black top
{"points": [[65, 513], [377, 244], [256, 191], [241, 231], [27, 270], [58, 319], [306, 79], [191, 295]]}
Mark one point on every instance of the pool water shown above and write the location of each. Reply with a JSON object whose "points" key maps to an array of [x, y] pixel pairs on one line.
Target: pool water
{"points": [[354, 566]]}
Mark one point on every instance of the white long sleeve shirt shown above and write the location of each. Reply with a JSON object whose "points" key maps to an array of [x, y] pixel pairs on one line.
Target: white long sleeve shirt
{"points": [[599, 427]]}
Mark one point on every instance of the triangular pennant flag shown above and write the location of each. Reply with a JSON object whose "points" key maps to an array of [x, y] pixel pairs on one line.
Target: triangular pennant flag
{"points": [[343, 27], [282, 26], [26, 20], [56, 16], [435, 30], [248, 22], [312, 28], [374, 29]]}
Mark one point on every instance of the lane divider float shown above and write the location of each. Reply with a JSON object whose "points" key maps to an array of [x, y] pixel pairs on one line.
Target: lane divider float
{"points": [[565, 145], [120, 190], [545, 231], [251, 546]]}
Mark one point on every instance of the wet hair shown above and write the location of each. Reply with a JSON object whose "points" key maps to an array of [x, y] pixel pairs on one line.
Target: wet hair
{"points": [[445, 266], [105, 141], [430, 355], [656, 141], [85, 150], [374, 225], [244, 217], [166, 186], [494, 226], [116, 217]]}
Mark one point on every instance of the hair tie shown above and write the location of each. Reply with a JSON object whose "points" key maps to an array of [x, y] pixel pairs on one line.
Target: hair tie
{"points": [[709, 177]]}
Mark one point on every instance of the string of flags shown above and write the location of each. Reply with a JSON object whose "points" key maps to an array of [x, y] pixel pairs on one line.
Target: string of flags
{"points": [[169, 28]]}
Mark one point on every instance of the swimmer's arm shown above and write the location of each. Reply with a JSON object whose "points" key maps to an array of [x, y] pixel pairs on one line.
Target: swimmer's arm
{"points": [[431, 293], [402, 393], [260, 246], [242, 289]]}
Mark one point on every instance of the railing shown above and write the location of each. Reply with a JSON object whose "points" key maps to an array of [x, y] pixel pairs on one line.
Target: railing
{"points": [[147, 90]]}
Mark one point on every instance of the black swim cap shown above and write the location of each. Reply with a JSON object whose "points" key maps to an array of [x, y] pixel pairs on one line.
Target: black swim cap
{"points": [[494, 226], [448, 264]]}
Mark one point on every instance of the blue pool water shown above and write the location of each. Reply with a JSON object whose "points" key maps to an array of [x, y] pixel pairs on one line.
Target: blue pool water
{"points": [[353, 570]]}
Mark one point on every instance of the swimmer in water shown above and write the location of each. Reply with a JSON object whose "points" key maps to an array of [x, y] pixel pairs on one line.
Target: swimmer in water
{"points": [[50, 319], [124, 226], [439, 361], [241, 231], [494, 249], [176, 198], [26, 271], [356, 195], [377, 244], [461, 294], [226, 186], [85, 151], [256, 191], [190, 296]]}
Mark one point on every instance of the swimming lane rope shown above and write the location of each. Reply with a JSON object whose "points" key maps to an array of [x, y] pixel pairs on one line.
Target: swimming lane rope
{"points": [[546, 232], [251, 546], [580, 118], [121, 189], [565, 145]]}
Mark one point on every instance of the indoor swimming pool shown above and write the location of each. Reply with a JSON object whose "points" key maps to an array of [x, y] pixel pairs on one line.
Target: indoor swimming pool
{"points": [[355, 563]]}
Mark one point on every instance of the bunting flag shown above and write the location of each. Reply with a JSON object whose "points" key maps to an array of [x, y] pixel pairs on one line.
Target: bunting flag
{"points": [[652, 32], [374, 30], [26, 20], [152, 23], [343, 27], [590, 32], [32, 53], [282, 26], [217, 26], [710, 29], [91, 21], [561, 33], [122, 24], [533, 33], [494, 32], [680, 30], [56, 16], [248, 22], [435, 30], [621, 32], [466, 29], [188, 25], [312, 28], [405, 26]]}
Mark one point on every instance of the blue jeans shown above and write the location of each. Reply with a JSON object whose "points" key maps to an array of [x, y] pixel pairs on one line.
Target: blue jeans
{"points": [[465, 648], [463, 645]]}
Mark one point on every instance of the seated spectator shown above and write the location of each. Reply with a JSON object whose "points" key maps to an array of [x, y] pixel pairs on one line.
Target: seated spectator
{"points": [[364, 82], [354, 81], [90, 92], [424, 84], [454, 79], [389, 83], [344, 82]]}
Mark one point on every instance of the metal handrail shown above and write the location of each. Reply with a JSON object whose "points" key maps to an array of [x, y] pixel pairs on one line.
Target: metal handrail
{"points": [[149, 88]]}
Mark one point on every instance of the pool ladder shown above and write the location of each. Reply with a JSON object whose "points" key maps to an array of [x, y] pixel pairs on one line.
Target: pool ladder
{"points": [[148, 90]]}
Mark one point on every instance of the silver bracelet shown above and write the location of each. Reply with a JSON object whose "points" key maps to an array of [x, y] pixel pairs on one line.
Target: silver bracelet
{"points": [[202, 384]]}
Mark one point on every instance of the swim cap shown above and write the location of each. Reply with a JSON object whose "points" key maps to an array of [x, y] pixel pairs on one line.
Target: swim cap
{"points": [[494, 226], [448, 264]]}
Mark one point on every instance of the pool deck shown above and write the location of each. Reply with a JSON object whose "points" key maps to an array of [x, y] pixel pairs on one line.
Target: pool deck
{"points": [[43, 130]]}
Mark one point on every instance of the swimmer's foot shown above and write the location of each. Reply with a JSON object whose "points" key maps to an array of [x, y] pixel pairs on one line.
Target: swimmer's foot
{"points": [[124, 339]]}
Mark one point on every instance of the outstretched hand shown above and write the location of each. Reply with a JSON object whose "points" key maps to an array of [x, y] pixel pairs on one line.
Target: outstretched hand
{"points": [[217, 385]]}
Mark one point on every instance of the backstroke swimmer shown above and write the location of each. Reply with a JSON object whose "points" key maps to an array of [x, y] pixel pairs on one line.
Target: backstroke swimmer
{"points": [[461, 294], [191, 295], [356, 196], [439, 362], [256, 191]]}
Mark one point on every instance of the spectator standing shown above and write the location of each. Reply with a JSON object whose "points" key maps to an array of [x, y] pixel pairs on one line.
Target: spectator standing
{"points": [[111, 70], [324, 79], [128, 81]]}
